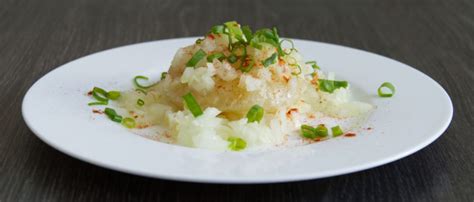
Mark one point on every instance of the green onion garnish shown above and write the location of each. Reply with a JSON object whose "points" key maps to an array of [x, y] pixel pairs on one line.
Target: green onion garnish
{"points": [[336, 131], [292, 45], [308, 131], [163, 75], [218, 29], [299, 70], [232, 58], [321, 130], [199, 41], [247, 64], [99, 94], [113, 95], [311, 132], [247, 33], [270, 60], [140, 102], [198, 56], [112, 114], [192, 104], [135, 80], [235, 31], [389, 86], [255, 114], [331, 85], [313, 64], [141, 91], [128, 122], [219, 56], [236, 143], [98, 103]]}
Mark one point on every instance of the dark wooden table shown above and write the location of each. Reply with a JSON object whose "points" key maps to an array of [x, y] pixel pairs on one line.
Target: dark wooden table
{"points": [[435, 36]]}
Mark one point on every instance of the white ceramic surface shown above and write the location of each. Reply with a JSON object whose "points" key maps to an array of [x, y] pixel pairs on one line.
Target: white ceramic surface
{"points": [[55, 109]]}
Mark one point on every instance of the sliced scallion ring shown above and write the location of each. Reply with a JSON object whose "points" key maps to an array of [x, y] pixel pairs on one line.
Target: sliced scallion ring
{"points": [[141, 91], [140, 102], [389, 86], [255, 114], [236, 143], [292, 45], [336, 131], [313, 64], [128, 122], [299, 70], [331, 85], [113, 95], [99, 94], [136, 82]]}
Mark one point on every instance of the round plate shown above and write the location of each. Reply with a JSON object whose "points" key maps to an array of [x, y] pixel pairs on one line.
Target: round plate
{"points": [[55, 109]]}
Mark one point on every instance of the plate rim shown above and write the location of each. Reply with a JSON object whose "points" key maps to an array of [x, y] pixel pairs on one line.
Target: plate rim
{"points": [[307, 176]]}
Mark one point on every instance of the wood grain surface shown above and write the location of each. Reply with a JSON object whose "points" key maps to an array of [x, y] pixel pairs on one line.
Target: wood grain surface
{"points": [[435, 36]]}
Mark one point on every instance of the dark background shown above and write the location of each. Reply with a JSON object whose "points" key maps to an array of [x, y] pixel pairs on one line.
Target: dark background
{"points": [[435, 36]]}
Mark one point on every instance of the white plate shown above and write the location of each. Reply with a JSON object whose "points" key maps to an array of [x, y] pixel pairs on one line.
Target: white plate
{"points": [[55, 109]]}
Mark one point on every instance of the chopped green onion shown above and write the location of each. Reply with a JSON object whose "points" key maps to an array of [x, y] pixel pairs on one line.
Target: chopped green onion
{"points": [[199, 41], [192, 104], [313, 64], [336, 131], [99, 94], [247, 33], [247, 64], [236, 143], [308, 131], [219, 56], [141, 91], [135, 80], [198, 56], [140, 102], [299, 70], [232, 58], [331, 85], [235, 31], [311, 132], [218, 29], [270, 60], [112, 114], [163, 75], [389, 86], [321, 131], [255, 114], [98, 103], [292, 45], [129, 122], [113, 95]]}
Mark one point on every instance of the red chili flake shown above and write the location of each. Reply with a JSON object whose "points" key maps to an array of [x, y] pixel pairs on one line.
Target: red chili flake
{"points": [[350, 135], [211, 36], [288, 114], [142, 126], [89, 93], [97, 111], [281, 61]]}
